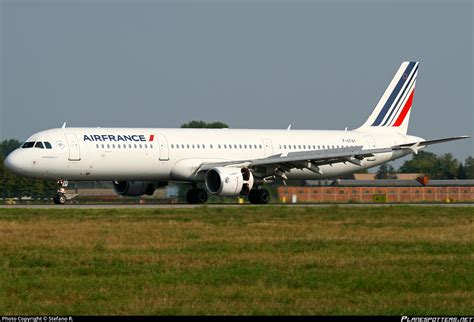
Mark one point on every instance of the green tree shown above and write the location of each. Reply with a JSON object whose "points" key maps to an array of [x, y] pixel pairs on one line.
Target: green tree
{"points": [[431, 165], [8, 146], [469, 167], [461, 172], [423, 162], [202, 125], [447, 167], [385, 171]]}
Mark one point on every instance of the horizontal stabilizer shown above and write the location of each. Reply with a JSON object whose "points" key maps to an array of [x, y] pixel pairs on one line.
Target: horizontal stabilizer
{"points": [[429, 142]]}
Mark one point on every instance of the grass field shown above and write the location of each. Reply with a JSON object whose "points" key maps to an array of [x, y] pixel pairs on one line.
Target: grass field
{"points": [[250, 260]]}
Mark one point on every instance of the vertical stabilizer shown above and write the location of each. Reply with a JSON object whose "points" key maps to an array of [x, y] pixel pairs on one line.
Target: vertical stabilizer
{"points": [[392, 112]]}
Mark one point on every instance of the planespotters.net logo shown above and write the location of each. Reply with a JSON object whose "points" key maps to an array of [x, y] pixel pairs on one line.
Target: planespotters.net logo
{"points": [[437, 319]]}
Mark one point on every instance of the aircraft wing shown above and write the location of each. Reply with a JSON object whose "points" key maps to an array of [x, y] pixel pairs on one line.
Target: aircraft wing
{"points": [[311, 160], [277, 165]]}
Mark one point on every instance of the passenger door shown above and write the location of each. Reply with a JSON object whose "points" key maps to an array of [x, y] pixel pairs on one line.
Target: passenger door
{"points": [[163, 146], [74, 149]]}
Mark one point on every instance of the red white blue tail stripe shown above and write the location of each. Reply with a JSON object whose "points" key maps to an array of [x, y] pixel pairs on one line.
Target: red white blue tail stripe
{"points": [[397, 100]]}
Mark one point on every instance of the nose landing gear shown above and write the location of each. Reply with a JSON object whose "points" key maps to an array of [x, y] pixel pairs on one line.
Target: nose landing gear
{"points": [[60, 197]]}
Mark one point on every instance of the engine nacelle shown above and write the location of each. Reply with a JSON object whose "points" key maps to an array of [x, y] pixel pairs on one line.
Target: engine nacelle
{"points": [[229, 181], [136, 188]]}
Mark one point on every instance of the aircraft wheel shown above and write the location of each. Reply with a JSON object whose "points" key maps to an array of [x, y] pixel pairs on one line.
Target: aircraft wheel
{"points": [[201, 196], [196, 196], [59, 199], [263, 196], [191, 196], [253, 196]]}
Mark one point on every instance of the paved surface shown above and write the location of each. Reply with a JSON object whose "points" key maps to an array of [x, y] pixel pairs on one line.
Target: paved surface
{"points": [[178, 206]]}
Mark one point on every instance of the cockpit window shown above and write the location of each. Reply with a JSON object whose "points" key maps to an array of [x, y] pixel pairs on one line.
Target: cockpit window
{"points": [[39, 145], [28, 145], [47, 145]]}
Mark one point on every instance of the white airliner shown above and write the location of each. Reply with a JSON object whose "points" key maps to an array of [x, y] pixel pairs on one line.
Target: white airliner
{"points": [[226, 162]]}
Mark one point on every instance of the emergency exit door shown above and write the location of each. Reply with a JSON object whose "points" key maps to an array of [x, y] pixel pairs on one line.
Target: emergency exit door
{"points": [[267, 145]]}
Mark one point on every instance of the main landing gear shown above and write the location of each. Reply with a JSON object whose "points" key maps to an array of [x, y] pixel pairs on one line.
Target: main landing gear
{"points": [[199, 196], [60, 197], [259, 196], [196, 196]]}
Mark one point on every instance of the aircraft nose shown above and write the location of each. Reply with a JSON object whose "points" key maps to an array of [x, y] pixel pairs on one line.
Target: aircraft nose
{"points": [[14, 162]]}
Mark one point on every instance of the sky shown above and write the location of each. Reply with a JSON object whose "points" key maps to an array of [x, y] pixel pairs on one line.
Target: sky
{"points": [[250, 64]]}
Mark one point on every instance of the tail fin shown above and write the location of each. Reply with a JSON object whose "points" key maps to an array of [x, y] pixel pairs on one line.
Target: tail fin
{"points": [[392, 112]]}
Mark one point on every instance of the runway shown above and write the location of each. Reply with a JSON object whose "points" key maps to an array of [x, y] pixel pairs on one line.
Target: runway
{"points": [[223, 205]]}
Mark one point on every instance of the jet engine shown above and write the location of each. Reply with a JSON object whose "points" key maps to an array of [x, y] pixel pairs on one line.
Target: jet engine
{"points": [[137, 188], [229, 181]]}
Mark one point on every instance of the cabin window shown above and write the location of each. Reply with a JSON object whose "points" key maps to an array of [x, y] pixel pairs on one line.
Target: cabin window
{"points": [[113, 146], [151, 146], [28, 145], [97, 146], [260, 146]]}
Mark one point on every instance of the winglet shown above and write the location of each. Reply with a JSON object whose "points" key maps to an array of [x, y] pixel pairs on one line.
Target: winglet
{"points": [[289, 127], [64, 125]]}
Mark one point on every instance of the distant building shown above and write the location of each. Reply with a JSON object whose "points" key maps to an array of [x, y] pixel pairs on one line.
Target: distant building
{"points": [[405, 189]]}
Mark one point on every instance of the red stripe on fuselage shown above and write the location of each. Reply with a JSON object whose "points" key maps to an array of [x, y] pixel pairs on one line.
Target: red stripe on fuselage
{"points": [[405, 110]]}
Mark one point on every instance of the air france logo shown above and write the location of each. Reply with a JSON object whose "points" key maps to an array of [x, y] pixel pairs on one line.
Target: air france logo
{"points": [[117, 138]]}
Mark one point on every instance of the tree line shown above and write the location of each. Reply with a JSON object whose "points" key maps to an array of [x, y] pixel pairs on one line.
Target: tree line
{"points": [[434, 166]]}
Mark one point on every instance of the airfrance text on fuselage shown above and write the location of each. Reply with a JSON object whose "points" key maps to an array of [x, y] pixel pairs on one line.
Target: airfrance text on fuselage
{"points": [[117, 138]]}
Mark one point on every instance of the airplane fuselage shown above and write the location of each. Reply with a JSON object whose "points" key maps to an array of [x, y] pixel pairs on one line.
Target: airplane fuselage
{"points": [[99, 154]]}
